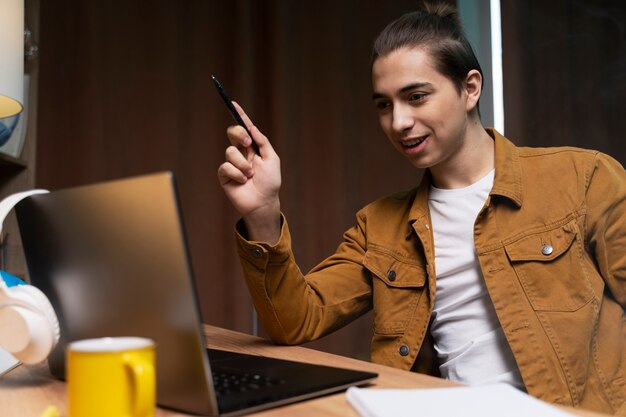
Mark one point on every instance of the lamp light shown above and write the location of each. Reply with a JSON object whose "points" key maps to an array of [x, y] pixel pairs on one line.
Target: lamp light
{"points": [[11, 57]]}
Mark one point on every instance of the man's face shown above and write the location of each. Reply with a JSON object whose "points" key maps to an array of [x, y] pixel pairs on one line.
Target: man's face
{"points": [[420, 110]]}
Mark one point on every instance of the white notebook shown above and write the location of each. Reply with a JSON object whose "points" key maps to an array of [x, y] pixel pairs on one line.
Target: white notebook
{"points": [[480, 401]]}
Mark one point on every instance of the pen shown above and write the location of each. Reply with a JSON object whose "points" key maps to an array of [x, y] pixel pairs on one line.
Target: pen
{"points": [[234, 112]]}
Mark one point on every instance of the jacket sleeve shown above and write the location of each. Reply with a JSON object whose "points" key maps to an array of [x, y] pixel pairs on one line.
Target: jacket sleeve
{"points": [[295, 308], [606, 222]]}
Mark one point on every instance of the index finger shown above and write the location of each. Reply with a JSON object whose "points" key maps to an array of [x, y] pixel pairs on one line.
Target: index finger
{"points": [[243, 115], [260, 143], [248, 125]]}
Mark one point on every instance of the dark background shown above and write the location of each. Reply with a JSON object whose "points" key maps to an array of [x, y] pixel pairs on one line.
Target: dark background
{"points": [[125, 89]]}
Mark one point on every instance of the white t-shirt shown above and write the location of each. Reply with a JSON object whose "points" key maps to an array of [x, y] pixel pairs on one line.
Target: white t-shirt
{"points": [[469, 341]]}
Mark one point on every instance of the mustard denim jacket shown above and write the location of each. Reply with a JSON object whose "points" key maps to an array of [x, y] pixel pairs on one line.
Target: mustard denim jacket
{"points": [[551, 242]]}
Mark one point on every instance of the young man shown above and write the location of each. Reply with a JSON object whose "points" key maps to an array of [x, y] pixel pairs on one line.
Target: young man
{"points": [[505, 264]]}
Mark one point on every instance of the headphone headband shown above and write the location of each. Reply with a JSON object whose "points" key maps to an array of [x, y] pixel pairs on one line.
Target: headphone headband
{"points": [[7, 204], [29, 328]]}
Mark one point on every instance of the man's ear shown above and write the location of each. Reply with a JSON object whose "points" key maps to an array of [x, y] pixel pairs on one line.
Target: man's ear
{"points": [[473, 89]]}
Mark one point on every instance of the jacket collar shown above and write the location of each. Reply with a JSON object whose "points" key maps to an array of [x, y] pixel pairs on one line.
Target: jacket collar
{"points": [[507, 182], [508, 179]]}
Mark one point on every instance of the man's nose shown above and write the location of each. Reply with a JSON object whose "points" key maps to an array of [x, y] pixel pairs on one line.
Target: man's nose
{"points": [[402, 118]]}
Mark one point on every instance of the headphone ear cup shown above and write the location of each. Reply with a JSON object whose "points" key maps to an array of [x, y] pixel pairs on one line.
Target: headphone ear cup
{"points": [[31, 339], [15, 336], [29, 322], [46, 308]]}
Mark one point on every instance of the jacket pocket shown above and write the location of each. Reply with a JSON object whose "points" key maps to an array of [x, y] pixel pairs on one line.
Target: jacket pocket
{"points": [[549, 265], [397, 285]]}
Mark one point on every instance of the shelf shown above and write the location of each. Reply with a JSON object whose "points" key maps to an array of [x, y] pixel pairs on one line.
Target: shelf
{"points": [[10, 163]]}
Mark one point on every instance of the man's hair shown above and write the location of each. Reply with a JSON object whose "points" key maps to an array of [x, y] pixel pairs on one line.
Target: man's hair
{"points": [[437, 29]]}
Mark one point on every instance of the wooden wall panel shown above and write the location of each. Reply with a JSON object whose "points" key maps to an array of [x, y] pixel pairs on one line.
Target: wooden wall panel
{"points": [[125, 89], [564, 65]]}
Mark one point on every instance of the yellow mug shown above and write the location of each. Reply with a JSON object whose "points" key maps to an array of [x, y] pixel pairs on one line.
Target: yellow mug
{"points": [[111, 376]]}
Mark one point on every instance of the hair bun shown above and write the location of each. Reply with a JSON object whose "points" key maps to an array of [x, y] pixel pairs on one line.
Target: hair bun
{"points": [[443, 10]]}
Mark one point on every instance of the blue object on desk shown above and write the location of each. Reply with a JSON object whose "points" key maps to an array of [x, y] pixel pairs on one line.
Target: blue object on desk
{"points": [[11, 280]]}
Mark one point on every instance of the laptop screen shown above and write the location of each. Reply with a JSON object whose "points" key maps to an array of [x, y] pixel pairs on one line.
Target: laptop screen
{"points": [[112, 259]]}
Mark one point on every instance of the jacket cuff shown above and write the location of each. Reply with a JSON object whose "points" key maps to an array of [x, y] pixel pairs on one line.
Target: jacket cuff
{"points": [[262, 253]]}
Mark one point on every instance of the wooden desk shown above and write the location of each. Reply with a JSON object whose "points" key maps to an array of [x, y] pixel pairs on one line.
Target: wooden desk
{"points": [[28, 390]]}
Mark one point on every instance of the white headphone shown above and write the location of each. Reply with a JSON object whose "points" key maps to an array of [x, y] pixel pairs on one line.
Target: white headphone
{"points": [[29, 328]]}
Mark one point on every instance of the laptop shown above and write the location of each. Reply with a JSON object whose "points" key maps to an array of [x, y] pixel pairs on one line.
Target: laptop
{"points": [[113, 261]]}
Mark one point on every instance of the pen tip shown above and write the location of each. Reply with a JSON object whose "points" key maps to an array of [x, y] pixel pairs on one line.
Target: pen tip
{"points": [[216, 81]]}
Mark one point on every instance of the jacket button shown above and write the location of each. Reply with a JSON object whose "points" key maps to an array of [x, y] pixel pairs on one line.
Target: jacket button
{"points": [[546, 249], [404, 350], [391, 275], [256, 252]]}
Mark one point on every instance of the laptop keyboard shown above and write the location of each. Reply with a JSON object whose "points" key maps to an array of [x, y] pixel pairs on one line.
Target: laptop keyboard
{"points": [[228, 382]]}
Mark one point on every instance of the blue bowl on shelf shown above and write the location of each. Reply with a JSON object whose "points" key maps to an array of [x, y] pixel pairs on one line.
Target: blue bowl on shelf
{"points": [[7, 126]]}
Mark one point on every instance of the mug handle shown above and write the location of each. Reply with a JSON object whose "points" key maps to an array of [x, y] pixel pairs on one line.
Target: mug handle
{"points": [[142, 377]]}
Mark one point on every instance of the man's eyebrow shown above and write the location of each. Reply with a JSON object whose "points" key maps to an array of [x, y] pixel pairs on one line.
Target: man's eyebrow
{"points": [[415, 85], [404, 89]]}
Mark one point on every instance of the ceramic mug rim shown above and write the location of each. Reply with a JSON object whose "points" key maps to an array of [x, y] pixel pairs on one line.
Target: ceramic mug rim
{"points": [[110, 344]]}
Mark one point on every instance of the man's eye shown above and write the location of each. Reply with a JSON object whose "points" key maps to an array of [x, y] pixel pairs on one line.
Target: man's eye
{"points": [[382, 105], [417, 97]]}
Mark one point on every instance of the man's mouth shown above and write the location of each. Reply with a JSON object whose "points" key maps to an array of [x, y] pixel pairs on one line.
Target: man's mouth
{"points": [[413, 142]]}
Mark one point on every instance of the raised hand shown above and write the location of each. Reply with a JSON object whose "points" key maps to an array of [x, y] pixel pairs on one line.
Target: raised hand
{"points": [[252, 182]]}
